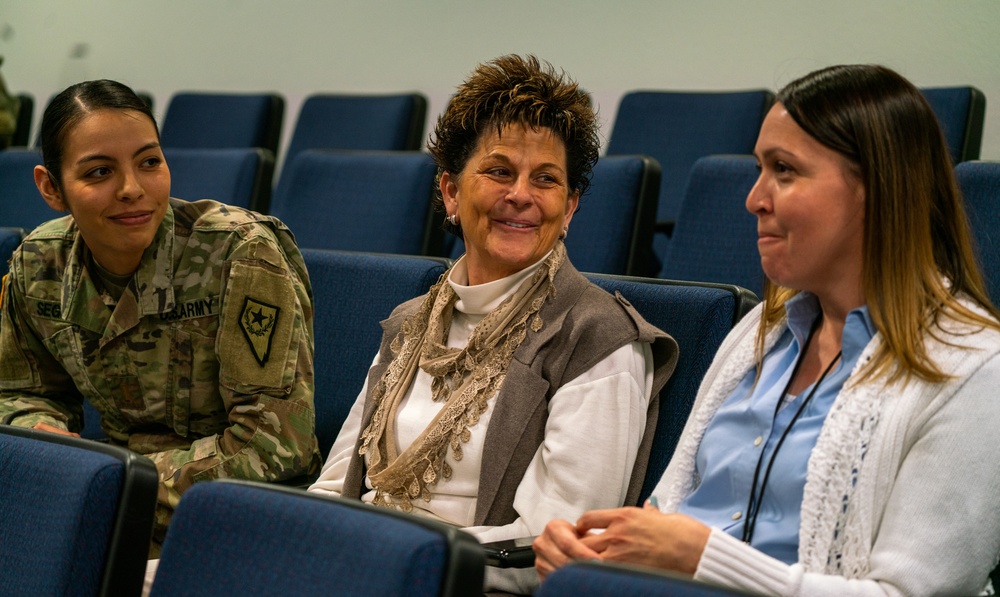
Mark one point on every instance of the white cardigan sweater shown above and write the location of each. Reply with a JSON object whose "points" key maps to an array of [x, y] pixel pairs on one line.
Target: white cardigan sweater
{"points": [[903, 487]]}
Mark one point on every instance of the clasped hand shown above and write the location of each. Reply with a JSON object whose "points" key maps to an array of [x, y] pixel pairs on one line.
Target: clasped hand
{"points": [[643, 536]]}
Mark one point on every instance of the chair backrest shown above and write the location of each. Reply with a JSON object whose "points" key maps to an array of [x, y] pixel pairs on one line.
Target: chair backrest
{"points": [[715, 238], [612, 231], [373, 201], [676, 128], [254, 539], [223, 120], [360, 122], [980, 184], [698, 316], [961, 112], [352, 293], [237, 176], [22, 128], [609, 580], [10, 238], [77, 515], [21, 205]]}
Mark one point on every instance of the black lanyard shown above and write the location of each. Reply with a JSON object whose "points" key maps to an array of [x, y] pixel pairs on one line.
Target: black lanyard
{"points": [[756, 497]]}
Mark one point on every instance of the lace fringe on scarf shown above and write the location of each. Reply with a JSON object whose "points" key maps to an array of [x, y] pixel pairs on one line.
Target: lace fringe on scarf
{"points": [[464, 380]]}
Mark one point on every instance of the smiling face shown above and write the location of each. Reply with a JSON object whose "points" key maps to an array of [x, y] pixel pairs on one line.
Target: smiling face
{"points": [[809, 205], [512, 200], [115, 183]]}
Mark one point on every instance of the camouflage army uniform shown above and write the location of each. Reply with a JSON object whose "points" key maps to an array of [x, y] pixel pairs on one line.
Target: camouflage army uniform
{"points": [[205, 363]]}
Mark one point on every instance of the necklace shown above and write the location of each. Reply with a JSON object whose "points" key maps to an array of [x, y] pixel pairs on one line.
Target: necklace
{"points": [[757, 496]]}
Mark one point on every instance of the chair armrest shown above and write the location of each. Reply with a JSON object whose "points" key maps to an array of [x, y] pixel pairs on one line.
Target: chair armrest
{"points": [[510, 553]]}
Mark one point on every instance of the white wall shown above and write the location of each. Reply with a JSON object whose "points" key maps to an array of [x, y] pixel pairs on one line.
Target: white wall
{"points": [[299, 47]]}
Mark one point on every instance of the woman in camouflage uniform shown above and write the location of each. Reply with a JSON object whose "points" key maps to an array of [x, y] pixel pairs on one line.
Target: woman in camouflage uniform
{"points": [[188, 326]]}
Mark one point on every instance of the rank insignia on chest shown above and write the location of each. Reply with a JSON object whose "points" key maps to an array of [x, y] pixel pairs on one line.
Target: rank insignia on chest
{"points": [[258, 320]]}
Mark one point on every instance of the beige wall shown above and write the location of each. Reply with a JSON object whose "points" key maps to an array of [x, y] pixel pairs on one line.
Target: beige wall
{"points": [[299, 47]]}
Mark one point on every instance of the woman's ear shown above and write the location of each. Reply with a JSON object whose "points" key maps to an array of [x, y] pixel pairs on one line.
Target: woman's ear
{"points": [[572, 203], [50, 191], [449, 192]]}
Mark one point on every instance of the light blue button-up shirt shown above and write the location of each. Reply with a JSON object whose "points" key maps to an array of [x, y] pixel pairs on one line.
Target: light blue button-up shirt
{"points": [[745, 426]]}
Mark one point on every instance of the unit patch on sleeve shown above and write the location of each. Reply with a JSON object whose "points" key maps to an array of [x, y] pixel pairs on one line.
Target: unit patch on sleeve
{"points": [[257, 321]]}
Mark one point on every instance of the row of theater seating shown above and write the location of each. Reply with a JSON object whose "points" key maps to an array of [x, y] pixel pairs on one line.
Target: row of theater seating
{"points": [[77, 518], [380, 202], [353, 292], [77, 513], [244, 535], [672, 127], [207, 120]]}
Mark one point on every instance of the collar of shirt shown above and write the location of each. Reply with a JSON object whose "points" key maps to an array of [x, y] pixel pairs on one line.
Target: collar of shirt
{"points": [[803, 309], [483, 298], [153, 284]]}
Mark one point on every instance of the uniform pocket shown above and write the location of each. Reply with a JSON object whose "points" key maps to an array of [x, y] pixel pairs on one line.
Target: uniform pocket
{"points": [[196, 406]]}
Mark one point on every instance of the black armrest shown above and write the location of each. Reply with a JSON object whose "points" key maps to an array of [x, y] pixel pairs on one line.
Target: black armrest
{"points": [[510, 553]]}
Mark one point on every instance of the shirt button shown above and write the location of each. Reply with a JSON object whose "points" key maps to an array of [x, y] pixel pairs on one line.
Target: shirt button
{"points": [[758, 441], [737, 515]]}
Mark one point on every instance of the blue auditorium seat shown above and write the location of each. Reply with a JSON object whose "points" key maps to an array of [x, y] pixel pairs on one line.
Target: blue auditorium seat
{"points": [[237, 176], [609, 580], [698, 316], [360, 122], [980, 184], [77, 515], [676, 128], [223, 120], [372, 201], [260, 540], [961, 111], [715, 237], [352, 293], [21, 205]]}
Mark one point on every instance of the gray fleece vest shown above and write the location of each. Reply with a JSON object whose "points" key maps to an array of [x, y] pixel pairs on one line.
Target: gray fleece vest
{"points": [[583, 325]]}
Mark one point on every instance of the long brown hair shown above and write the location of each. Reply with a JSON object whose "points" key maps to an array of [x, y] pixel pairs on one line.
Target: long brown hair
{"points": [[917, 248]]}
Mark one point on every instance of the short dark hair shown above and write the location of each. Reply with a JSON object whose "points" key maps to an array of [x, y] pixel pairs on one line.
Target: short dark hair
{"points": [[511, 90], [72, 104]]}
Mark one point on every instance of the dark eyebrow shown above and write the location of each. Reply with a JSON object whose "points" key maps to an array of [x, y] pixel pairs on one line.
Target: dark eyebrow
{"points": [[146, 147], [506, 160], [771, 151], [98, 157], [550, 165]]}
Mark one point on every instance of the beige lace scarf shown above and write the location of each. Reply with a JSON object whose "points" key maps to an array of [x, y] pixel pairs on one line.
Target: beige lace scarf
{"points": [[464, 380]]}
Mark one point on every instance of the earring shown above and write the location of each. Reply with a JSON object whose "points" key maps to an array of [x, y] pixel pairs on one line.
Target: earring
{"points": [[564, 234], [452, 219]]}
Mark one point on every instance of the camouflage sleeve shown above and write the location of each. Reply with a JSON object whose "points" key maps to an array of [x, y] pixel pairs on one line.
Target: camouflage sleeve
{"points": [[264, 349], [34, 387]]}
